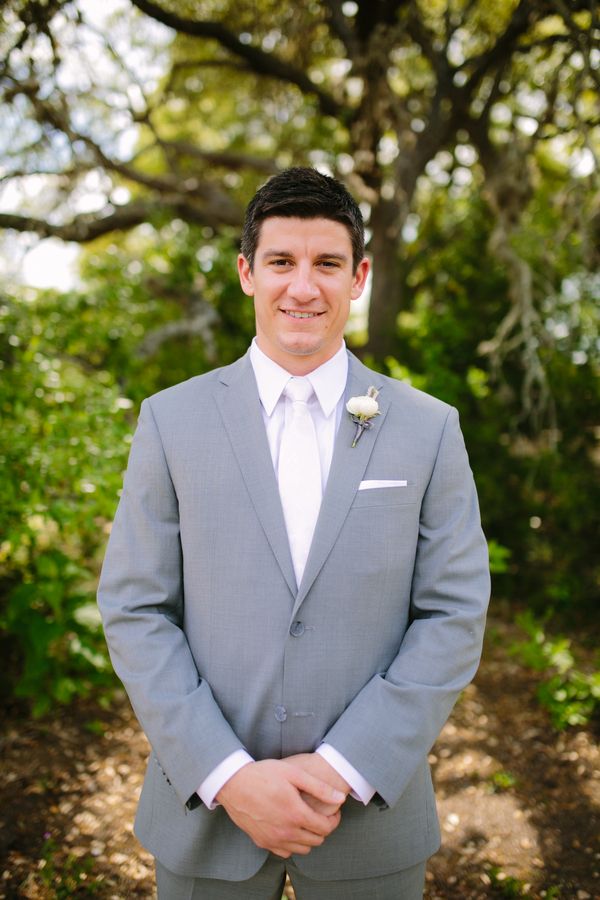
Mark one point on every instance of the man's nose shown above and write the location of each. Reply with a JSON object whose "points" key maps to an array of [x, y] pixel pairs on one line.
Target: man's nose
{"points": [[303, 287]]}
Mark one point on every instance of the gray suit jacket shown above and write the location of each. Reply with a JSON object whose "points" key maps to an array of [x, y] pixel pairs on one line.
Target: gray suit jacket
{"points": [[219, 649]]}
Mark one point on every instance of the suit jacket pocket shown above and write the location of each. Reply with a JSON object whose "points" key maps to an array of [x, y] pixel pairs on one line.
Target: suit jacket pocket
{"points": [[387, 496]]}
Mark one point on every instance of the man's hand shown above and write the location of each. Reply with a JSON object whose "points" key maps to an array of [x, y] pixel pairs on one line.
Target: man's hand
{"points": [[269, 801], [316, 765]]}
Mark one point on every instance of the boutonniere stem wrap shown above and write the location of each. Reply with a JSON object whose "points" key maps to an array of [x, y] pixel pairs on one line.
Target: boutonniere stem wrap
{"points": [[362, 410]]}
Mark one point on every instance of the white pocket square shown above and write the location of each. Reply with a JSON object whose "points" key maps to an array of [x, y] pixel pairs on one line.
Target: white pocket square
{"points": [[369, 485]]}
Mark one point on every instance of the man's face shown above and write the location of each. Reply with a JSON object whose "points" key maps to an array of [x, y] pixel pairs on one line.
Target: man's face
{"points": [[302, 284]]}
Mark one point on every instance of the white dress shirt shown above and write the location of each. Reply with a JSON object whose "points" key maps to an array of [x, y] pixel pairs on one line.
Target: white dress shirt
{"points": [[326, 407]]}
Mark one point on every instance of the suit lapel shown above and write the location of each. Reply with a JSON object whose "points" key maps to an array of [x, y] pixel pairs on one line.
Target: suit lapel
{"points": [[347, 468], [240, 410]]}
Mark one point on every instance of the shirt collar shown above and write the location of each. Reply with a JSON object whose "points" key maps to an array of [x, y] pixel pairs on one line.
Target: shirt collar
{"points": [[328, 380]]}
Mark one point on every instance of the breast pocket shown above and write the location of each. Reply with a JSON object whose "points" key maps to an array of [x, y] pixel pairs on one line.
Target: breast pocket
{"points": [[386, 496]]}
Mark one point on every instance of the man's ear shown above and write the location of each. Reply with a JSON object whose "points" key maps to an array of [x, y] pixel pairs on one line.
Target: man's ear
{"points": [[245, 274], [360, 278]]}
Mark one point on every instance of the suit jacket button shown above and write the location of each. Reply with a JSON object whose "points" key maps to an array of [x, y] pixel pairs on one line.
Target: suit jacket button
{"points": [[280, 713], [297, 629]]}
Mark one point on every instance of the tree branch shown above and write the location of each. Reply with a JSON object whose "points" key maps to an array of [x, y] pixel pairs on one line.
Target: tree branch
{"points": [[371, 15], [521, 19], [87, 227], [64, 175], [83, 228], [550, 40], [201, 323], [581, 39], [233, 161], [508, 190], [196, 64], [426, 41], [180, 192], [341, 27], [260, 62]]}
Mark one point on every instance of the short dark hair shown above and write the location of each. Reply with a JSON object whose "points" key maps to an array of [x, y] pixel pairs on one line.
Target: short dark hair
{"points": [[304, 193]]}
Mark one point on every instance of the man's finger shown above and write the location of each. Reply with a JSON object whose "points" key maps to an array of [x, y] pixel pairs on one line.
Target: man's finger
{"points": [[300, 844], [317, 824], [326, 809], [319, 789], [296, 849]]}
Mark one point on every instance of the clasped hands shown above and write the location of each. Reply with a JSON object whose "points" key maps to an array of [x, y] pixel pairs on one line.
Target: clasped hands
{"points": [[286, 805]]}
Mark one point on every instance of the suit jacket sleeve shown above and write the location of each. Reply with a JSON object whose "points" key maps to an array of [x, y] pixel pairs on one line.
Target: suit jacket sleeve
{"points": [[141, 600], [391, 724]]}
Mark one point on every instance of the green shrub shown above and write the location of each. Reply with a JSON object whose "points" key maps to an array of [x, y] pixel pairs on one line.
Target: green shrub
{"points": [[63, 446], [571, 696], [73, 369]]}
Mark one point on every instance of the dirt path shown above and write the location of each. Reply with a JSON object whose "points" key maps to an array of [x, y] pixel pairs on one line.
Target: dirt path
{"points": [[519, 804]]}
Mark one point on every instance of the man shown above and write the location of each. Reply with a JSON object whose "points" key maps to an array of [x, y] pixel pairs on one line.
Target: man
{"points": [[294, 596]]}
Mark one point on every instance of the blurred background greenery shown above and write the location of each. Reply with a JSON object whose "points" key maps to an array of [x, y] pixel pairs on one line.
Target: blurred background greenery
{"points": [[468, 130]]}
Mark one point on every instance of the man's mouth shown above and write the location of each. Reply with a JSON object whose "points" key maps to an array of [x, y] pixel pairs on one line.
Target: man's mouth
{"points": [[301, 315]]}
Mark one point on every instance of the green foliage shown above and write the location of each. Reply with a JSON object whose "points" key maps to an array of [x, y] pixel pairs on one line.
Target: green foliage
{"points": [[553, 892], [72, 878], [571, 696], [63, 446], [499, 557], [150, 281], [74, 368], [253, 115], [502, 781], [539, 498], [506, 885]]}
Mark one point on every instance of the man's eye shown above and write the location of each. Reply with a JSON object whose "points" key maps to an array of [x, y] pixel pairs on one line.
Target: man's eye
{"points": [[280, 263]]}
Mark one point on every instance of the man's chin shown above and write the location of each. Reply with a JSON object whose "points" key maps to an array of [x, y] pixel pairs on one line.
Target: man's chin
{"points": [[300, 346]]}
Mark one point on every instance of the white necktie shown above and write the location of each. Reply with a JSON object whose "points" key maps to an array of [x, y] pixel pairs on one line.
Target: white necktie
{"points": [[299, 472]]}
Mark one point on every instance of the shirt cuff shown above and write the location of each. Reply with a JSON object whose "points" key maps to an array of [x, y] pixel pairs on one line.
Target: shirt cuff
{"points": [[213, 782], [361, 789]]}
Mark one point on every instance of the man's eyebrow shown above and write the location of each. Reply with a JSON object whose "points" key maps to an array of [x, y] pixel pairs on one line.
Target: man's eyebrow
{"points": [[342, 257], [266, 254], [269, 252]]}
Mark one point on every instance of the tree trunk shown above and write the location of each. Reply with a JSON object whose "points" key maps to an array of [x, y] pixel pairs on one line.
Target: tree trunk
{"points": [[387, 219]]}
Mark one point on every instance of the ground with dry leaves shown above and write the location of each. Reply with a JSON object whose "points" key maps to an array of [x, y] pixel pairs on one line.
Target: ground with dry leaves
{"points": [[519, 804]]}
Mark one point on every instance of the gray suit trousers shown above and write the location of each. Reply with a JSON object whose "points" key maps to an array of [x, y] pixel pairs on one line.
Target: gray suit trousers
{"points": [[268, 884]]}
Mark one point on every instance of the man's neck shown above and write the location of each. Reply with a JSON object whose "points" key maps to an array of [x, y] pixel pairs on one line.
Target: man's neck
{"points": [[298, 365]]}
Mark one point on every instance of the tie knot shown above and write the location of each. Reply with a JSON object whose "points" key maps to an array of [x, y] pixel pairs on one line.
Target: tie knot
{"points": [[298, 389]]}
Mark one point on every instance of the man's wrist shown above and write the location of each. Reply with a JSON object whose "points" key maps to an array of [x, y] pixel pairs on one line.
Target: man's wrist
{"points": [[220, 775], [360, 788]]}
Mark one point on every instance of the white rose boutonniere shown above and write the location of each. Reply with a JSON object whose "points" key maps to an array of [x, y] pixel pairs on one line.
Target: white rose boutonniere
{"points": [[362, 410]]}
